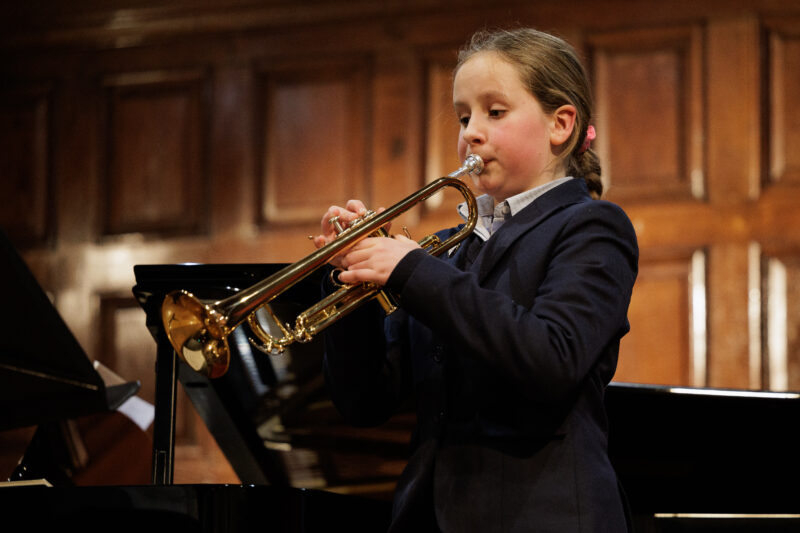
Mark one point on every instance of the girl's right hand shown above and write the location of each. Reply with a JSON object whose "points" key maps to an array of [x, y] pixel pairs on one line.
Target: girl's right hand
{"points": [[351, 211]]}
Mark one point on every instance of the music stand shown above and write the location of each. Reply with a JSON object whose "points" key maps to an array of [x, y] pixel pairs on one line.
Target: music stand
{"points": [[45, 375]]}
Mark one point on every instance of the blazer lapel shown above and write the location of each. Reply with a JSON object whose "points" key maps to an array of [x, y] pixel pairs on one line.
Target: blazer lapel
{"points": [[500, 243]]}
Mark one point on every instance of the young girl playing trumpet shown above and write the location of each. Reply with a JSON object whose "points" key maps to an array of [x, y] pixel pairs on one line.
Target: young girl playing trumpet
{"points": [[507, 342]]}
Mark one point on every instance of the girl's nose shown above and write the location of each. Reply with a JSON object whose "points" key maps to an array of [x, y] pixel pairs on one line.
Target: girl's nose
{"points": [[473, 133]]}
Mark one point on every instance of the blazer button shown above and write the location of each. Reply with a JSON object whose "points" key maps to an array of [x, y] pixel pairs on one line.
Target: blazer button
{"points": [[438, 353]]}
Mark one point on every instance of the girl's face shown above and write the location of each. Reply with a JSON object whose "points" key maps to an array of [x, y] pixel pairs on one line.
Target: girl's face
{"points": [[503, 123]]}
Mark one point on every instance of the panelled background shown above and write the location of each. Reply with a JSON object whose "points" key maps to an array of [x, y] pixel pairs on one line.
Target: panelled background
{"points": [[140, 132]]}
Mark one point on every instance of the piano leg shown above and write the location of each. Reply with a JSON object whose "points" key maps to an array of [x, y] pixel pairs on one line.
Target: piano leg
{"points": [[164, 422]]}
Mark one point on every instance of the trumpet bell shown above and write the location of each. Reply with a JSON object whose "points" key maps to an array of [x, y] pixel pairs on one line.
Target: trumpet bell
{"points": [[199, 331]]}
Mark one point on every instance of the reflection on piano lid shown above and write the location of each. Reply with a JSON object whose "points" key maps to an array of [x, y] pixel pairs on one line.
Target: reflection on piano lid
{"points": [[44, 373], [271, 415]]}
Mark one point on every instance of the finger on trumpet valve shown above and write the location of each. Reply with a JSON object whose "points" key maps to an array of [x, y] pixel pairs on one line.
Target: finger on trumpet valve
{"points": [[334, 221]]}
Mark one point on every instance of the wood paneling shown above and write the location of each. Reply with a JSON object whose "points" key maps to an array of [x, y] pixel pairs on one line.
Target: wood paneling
{"points": [[441, 123], [442, 130], [791, 322], [649, 114], [122, 345], [729, 349], [658, 347], [780, 285], [649, 93], [396, 133], [156, 147], [784, 110], [25, 137], [733, 109], [314, 132]]}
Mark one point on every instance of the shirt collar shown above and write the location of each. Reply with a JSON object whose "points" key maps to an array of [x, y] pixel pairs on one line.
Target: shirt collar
{"points": [[509, 207]]}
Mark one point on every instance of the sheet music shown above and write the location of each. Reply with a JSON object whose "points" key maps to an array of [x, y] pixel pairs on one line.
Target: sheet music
{"points": [[140, 412]]}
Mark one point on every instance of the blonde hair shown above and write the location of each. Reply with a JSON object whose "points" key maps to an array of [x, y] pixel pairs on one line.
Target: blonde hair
{"points": [[551, 70]]}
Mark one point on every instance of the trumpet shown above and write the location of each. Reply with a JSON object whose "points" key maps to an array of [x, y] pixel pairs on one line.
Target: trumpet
{"points": [[199, 331]]}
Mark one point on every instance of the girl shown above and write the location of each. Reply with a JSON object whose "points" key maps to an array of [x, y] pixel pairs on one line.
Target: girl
{"points": [[507, 343]]}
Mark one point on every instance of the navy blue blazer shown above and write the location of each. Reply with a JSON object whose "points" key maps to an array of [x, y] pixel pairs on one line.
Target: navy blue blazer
{"points": [[506, 349]]}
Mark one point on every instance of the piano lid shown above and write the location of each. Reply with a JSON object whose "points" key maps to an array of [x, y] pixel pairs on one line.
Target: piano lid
{"points": [[703, 450], [44, 373]]}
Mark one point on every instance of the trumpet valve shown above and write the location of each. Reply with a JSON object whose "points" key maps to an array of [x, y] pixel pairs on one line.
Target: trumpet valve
{"points": [[334, 221], [340, 230], [387, 302], [430, 241], [368, 214]]}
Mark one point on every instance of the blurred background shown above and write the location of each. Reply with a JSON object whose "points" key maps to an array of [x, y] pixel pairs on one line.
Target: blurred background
{"points": [[218, 131]]}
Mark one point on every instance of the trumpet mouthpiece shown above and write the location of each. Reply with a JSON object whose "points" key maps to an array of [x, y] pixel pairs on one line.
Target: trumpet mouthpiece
{"points": [[473, 164]]}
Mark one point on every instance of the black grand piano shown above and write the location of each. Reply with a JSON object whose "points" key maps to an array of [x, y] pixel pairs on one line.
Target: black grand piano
{"points": [[688, 459]]}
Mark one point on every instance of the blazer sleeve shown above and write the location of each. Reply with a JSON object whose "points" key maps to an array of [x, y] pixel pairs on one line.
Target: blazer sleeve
{"points": [[582, 276]]}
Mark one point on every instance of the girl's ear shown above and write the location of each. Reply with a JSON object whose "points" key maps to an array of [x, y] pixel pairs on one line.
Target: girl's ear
{"points": [[563, 121]]}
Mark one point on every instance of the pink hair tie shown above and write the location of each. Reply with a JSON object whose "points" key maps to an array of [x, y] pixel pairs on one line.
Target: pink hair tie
{"points": [[590, 135]]}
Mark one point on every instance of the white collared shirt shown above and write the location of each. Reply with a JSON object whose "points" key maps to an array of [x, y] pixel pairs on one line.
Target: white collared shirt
{"points": [[491, 217]]}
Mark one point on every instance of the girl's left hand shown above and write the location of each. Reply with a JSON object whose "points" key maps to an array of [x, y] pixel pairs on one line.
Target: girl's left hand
{"points": [[374, 258]]}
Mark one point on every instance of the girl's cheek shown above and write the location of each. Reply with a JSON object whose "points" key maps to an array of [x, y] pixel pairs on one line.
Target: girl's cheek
{"points": [[462, 149]]}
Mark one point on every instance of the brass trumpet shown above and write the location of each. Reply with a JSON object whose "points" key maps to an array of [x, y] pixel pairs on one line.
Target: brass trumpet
{"points": [[199, 331]]}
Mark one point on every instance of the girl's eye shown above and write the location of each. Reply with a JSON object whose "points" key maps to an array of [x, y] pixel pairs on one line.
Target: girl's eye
{"points": [[463, 121], [496, 113]]}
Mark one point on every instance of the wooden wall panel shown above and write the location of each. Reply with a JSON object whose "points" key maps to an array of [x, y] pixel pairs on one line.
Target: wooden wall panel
{"points": [[156, 148], [780, 266], [314, 133], [25, 137], [729, 348], [122, 346], [734, 51], [791, 322], [442, 130], [658, 348], [784, 111], [441, 123], [734, 156], [780, 278], [396, 131], [649, 115]]}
